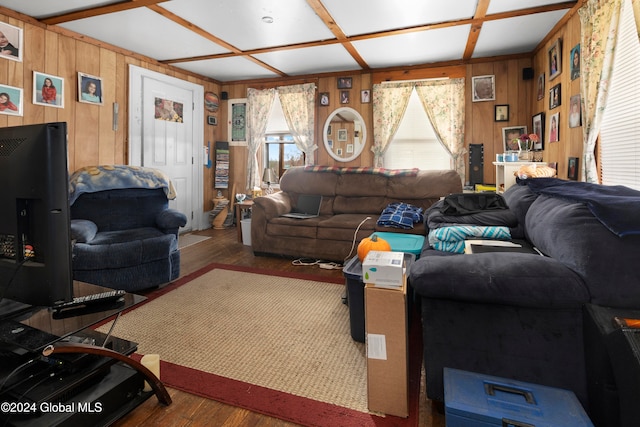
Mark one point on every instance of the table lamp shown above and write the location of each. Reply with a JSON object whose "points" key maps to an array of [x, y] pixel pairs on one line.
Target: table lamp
{"points": [[269, 176]]}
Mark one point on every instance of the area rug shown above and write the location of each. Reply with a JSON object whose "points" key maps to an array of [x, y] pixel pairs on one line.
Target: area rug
{"points": [[185, 240], [271, 343]]}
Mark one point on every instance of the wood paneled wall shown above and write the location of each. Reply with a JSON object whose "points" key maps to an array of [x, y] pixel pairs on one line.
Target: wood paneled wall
{"points": [[92, 140]]}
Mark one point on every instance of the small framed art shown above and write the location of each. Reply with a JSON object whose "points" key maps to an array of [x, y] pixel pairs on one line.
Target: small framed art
{"points": [[555, 97], [89, 89], [345, 83], [10, 42], [575, 62], [555, 59], [575, 111], [502, 113], [344, 97], [365, 96], [541, 87], [342, 135], [572, 168], [510, 137], [48, 90], [11, 100], [538, 129], [324, 99], [554, 128], [484, 88]]}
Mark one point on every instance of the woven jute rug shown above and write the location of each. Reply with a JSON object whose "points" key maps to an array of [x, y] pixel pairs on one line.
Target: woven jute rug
{"points": [[284, 341]]}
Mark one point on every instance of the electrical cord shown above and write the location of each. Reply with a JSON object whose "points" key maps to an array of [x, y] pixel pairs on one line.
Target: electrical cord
{"points": [[355, 234]]}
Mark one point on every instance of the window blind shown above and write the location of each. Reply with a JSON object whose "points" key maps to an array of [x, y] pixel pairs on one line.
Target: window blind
{"points": [[620, 129]]}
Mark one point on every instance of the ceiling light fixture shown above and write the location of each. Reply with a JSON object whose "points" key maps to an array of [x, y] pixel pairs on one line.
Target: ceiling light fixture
{"points": [[267, 19]]}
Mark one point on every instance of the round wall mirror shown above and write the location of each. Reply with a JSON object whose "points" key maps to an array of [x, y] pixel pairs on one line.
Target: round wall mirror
{"points": [[344, 134]]}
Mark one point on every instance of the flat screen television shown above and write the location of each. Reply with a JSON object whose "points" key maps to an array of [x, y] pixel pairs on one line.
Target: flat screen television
{"points": [[35, 236]]}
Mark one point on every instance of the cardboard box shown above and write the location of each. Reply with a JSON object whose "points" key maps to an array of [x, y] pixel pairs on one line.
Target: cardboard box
{"points": [[386, 326], [384, 269]]}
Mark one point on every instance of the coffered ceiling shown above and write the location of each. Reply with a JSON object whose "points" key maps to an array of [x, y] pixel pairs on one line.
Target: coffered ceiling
{"points": [[233, 40]]}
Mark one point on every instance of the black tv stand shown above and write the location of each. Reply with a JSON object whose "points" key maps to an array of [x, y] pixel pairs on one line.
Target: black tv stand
{"points": [[58, 371]]}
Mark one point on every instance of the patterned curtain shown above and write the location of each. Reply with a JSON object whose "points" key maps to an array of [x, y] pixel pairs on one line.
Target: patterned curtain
{"points": [[599, 20], [298, 104], [443, 101], [389, 104], [259, 103]]}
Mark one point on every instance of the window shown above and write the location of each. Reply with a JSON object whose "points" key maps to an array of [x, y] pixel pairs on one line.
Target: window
{"points": [[280, 151], [415, 144], [620, 151]]}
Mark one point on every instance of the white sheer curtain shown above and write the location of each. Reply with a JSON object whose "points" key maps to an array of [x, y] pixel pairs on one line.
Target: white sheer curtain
{"points": [[259, 103], [443, 101], [298, 105], [389, 105]]}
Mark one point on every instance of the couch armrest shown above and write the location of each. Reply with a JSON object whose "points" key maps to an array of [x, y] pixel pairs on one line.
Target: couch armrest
{"points": [[272, 205], [170, 220], [516, 279], [83, 230]]}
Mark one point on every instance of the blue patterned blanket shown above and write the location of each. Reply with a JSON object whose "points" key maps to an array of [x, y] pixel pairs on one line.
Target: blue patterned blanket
{"points": [[92, 179], [451, 238], [400, 215]]}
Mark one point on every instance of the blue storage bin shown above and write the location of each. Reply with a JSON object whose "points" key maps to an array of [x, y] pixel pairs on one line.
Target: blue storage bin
{"points": [[472, 399], [403, 242]]}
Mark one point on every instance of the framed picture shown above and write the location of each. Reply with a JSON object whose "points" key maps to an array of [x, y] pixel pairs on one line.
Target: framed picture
{"points": [[10, 42], [541, 87], [345, 82], [510, 136], [344, 97], [237, 126], [555, 59], [349, 148], [365, 96], [212, 120], [342, 135], [48, 90], [89, 89], [575, 111], [575, 62], [554, 128], [484, 88], [538, 129], [502, 113], [324, 99], [572, 168], [11, 100], [555, 97], [339, 151]]}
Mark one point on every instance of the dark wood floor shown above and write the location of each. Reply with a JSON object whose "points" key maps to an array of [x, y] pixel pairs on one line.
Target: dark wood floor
{"points": [[190, 410]]}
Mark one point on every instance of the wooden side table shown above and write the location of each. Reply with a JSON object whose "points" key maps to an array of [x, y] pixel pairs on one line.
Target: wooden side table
{"points": [[244, 206]]}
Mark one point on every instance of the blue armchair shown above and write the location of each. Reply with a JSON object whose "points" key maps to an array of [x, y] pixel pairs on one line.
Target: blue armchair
{"points": [[124, 235]]}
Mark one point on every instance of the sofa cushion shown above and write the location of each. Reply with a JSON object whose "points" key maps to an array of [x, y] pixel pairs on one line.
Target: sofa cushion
{"points": [[83, 230], [510, 278], [117, 249], [569, 233], [519, 199]]}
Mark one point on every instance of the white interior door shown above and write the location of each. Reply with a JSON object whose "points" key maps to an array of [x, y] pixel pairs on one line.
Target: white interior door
{"points": [[169, 142]]}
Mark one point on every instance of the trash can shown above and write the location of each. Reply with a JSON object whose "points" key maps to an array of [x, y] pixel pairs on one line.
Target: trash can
{"points": [[246, 231], [355, 294]]}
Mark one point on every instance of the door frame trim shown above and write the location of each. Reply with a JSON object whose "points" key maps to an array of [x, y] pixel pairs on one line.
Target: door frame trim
{"points": [[136, 74]]}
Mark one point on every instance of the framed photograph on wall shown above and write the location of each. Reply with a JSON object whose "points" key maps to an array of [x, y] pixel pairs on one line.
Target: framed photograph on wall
{"points": [[365, 96], [555, 97], [48, 90], [572, 168], [555, 59], [345, 82], [510, 136], [575, 62], [541, 87], [89, 89], [10, 42], [11, 100], [484, 88], [538, 129], [324, 99], [575, 111], [344, 97], [342, 135], [554, 128], [502, 113]]}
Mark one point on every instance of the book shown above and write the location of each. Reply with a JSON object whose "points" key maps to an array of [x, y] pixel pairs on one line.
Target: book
{"points": [[476, 246]]}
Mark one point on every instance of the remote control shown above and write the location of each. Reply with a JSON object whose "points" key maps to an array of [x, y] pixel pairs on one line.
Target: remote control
{"points": [[89, 300]]}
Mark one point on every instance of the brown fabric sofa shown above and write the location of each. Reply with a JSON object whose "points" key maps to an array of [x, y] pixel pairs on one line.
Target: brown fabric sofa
{"points": [[349, 196]]}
